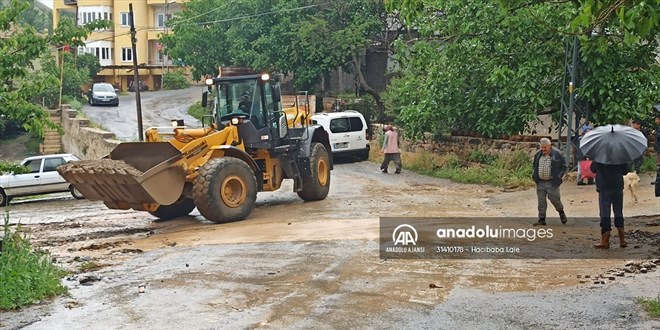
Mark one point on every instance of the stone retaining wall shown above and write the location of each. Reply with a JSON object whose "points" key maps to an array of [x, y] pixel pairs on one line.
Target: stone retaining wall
{"points": [[84, 141], [464, 145]]}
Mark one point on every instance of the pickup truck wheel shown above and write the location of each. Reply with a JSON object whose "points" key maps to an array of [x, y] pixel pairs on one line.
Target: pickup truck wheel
{"points": [[225, 190], [316, 181], [76, 193], [4, 200], [181, 208]]}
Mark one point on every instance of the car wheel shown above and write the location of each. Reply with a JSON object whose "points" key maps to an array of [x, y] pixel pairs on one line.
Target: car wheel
{"points": [[4, 201], [75, 192], [364, 155]]}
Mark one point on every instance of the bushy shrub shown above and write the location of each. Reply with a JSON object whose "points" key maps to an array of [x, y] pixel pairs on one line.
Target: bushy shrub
{"points": [[27, 275], [175, 80]]}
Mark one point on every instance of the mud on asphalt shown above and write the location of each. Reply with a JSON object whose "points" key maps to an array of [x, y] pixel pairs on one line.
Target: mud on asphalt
{"points": [[315, 265]]}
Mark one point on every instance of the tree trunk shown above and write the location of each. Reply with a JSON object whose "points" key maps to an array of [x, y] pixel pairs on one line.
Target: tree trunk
{"points": [[362, 82]]}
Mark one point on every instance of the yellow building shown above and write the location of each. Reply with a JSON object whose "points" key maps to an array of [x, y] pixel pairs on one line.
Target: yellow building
{"points": [[113, 46]]}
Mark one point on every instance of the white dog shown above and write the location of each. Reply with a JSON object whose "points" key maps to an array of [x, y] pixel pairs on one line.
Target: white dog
{"points": [[630, 182]]}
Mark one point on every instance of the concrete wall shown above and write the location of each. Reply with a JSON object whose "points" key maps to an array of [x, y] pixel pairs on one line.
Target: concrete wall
{"points": [[84, 141]]}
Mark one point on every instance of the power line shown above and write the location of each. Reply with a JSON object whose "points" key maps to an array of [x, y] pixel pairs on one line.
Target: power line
{"points": [[262, 14]]}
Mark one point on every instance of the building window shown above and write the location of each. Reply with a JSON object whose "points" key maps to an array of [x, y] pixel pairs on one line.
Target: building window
{"points": [[124, 19], [161, 19], [126, 55]]}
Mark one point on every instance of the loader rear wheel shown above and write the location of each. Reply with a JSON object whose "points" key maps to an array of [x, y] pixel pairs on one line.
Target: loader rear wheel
{"points": [[316, 181], [225, 190], [180, 208]]}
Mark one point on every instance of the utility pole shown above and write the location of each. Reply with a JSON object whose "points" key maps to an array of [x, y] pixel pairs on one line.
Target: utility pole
{"points": [[136, 74], [570, 82]]}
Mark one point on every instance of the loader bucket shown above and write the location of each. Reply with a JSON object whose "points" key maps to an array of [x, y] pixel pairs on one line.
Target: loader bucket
{"points": [[134, 174]]}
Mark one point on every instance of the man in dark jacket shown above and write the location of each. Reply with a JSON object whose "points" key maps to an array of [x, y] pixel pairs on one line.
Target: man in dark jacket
{"points": [[609, 184], [549, 169]]}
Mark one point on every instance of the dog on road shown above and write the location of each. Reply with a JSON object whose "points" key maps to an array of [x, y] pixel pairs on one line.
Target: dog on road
{"points": [[630, 182]]}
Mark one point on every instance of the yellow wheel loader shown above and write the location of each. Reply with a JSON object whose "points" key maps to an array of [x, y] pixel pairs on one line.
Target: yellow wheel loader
{"points": [[250, 144]]}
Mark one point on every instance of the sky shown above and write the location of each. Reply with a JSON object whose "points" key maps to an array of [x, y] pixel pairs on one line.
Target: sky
{"points": [[48, 3]]}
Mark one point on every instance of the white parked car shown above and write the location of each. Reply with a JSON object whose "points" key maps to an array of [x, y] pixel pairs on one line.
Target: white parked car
{"points": [[347, 131], [41, 179]]}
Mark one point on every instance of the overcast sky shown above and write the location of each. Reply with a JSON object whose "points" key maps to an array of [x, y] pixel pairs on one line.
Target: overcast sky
{"points": [[48, 3]]}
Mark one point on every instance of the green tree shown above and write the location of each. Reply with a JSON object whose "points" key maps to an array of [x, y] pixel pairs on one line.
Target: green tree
{"points": [[37, 15], [493, 69], [20, 49], [75, 75], [298, 37], [90, 63]]}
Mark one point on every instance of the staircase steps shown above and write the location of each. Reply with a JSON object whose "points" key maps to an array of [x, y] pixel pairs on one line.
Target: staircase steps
{"points": [[52, 143]]}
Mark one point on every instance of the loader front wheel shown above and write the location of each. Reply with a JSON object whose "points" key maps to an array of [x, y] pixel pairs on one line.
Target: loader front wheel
{"points": [[181, 208], [225, 190], [316, 181]]}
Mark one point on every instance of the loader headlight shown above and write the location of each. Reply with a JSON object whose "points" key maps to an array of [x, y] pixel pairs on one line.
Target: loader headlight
{"points": [[265, 77], [235, 121], [209, 81]]}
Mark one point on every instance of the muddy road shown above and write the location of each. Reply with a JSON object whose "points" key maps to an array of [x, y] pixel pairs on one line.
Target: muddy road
{"points": [[316, 264], [158, 109]]}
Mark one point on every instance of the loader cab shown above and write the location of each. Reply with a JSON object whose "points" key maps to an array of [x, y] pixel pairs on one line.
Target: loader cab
{"points": [[255, 102]]}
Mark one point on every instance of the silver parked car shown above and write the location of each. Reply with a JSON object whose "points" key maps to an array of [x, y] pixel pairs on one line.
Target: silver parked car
{"points": [[103, 93], [41, 179]]}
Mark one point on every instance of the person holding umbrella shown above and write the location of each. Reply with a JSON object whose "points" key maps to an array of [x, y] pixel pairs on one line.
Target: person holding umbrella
{"points": [[612, 148]]}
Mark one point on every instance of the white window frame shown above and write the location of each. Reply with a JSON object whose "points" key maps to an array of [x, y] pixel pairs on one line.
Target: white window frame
{"points": [[126, 54], [125, 19], [161, 20]]}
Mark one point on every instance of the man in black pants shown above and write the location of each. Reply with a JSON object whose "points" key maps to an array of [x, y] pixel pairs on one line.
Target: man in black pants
{"points": [[609, 184]]}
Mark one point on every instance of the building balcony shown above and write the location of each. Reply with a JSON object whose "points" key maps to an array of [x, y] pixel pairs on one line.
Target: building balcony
{"points": [[161, 62]]}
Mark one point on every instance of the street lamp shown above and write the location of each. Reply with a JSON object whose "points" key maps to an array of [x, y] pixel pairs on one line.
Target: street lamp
{"points": [[164, 57]]}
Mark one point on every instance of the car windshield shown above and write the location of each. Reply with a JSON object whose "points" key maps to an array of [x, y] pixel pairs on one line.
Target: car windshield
{"points": [[103, 88]]}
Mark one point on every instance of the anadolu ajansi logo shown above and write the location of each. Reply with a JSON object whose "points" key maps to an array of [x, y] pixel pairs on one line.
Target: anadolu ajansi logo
{"points": [[406, 236]]}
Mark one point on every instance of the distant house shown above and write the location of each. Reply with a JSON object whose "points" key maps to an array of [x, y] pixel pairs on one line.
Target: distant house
{"points": [[113, 46]]}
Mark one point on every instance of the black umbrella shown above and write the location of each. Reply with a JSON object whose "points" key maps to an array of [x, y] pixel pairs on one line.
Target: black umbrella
{"points": [[613, 144]]}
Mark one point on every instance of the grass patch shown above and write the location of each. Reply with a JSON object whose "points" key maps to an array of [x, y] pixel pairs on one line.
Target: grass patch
{"points": [[27, 275], [198, 111], [503, 170], [75, 103], [651, 306], [648, 165]]}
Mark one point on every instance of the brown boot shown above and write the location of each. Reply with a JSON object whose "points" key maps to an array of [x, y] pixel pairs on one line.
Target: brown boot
{"points": [[622, 237], [604, 241]]}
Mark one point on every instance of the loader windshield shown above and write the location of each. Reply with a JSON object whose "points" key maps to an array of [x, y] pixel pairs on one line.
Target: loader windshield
{"points": [[238, 97]]}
